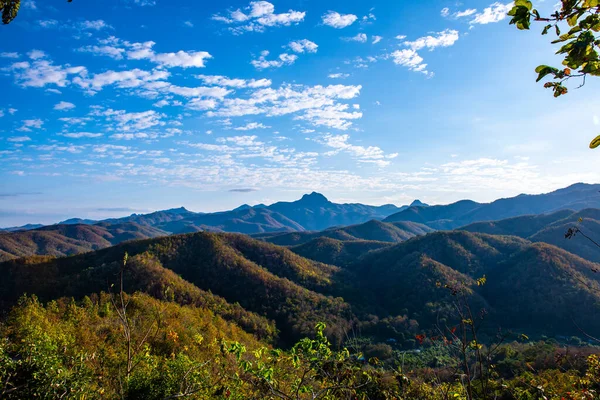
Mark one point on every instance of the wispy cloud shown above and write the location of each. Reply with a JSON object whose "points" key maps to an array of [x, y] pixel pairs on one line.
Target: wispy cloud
{"points": [[257, 17]]}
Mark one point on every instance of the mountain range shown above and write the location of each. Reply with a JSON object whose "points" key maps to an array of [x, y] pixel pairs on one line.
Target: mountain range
{"points": [[314, 217], [575, 197]]}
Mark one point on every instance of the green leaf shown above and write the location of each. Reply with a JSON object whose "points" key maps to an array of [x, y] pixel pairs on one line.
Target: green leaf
{"points": [[545, 31], [524, 3], [572, 20], [595, 143], [544, 70]]}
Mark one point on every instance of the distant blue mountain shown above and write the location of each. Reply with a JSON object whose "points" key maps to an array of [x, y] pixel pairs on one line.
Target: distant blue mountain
{"points": [[575, 197]]}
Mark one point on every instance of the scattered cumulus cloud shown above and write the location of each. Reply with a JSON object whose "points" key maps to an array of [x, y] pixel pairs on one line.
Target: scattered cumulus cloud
{"points": [[251, 126], [377, 39], [79, 135], [64, 106], [19, 139], [361, 38], [283, 59], [410, 57], [337, 20], [257, 17], [9, 55], [445, 38], [95, 25], [465, 13], [219, 80], [118, 49], [41, 71], [303, 46], [30, 124], [370, 154], [496, 12], [338, 75]]}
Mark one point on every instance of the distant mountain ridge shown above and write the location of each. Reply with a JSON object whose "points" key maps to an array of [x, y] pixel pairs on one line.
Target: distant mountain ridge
{"points": [[312, 212], [309, 218], [575, 197]]}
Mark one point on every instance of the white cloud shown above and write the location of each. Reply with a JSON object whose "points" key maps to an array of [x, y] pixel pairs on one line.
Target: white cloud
{"points": [[334, 116], [41, 71], [75, 121], [117, 48], [284, 59], [109, 51], [317, 104], [458, 14], [128, 121], [60, 148], [371, 154], [30, 124], [79, 135], [304, 45], [368, 19], [445, 38], [28, 5], [95, 25], [411, 59], [257, 17], [465, 13], [251, 126], [189, 24], [361, 38], [200, 104], [235, 83], [19, 139], [9, 55], [48, 23], [161, 103], [401, 37], [123, 79], [181, 59], [377, 39], [36, 54], [496, 12], [12, 111], [145, 3], [200, 91], [338, 75], [337, 20], [64, 106]]}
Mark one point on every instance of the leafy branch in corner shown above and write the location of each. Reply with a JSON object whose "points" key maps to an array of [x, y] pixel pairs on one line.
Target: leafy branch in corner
{"points": [[10, 9], [579, 44]]}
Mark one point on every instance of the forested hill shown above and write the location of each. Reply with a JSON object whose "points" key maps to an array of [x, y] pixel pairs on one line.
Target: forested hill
{"points": [[406, 280], [551, 228], [64, 240]]}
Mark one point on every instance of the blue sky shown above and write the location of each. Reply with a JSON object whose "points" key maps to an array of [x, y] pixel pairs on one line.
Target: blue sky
{"points": [[124, 106]]}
